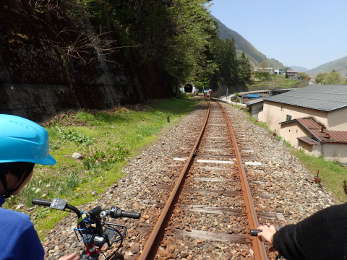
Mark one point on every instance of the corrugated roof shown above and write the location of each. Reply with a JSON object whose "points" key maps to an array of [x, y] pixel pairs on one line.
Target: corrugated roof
{"points": [[312, 126], [255, 101], [338, 136], [318, 131], [308, 140], [324, 98]]}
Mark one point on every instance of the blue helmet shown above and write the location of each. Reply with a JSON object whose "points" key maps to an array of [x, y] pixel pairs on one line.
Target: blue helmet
{"points": [[22, 140]]}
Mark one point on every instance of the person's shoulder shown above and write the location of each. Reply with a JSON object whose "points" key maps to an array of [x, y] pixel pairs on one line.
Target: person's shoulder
{"points": [[340, 209], [11, 217], [18, 238], [336, 211]]}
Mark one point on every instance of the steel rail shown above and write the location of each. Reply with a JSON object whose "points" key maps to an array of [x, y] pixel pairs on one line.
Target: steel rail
{"points": [[258, 246], [153, 238]]}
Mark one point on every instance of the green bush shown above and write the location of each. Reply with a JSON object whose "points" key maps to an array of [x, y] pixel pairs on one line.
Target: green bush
{"points": [[72, 136]]}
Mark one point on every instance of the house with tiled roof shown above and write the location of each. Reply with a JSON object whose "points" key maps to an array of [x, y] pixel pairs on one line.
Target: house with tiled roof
{"points": [[313, 119], [313, 137]]}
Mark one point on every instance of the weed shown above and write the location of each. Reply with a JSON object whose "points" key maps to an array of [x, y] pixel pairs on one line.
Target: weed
{"points": [[240, 107], [332, 173], [55, 145], [105, 159], [73, 136], [102, 118], [106, 140], [48, 187], [256, 122]]}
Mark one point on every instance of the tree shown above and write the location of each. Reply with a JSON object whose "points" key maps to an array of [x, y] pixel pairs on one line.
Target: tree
{"points": [[304, 76], [226, 58], [245, 70], [161, 43], [330, 78], [262, 75], [232, 71], [320, 78], [188, 56]]}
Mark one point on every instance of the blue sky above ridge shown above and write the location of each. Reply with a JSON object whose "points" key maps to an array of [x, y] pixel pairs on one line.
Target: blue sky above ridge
{"points": [[303, 33]]}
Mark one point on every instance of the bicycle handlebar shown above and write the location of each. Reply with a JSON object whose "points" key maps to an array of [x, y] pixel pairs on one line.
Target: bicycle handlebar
{"points": [[114, 212], [92, 227], [128, 214], [57, 204], [40, 202]]}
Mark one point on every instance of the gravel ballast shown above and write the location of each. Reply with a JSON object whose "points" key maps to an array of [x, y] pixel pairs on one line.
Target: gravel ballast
{"points": [[280, 179], [144, 188]]}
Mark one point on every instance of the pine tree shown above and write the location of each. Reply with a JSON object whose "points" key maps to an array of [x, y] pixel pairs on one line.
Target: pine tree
{"points": [[245, 70]]}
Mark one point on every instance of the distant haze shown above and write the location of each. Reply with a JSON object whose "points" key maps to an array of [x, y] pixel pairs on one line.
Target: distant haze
{"points": [[298, 68], [339, 65]]}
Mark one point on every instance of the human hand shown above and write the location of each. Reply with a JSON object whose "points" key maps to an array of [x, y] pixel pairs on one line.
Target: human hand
{"points": [[267, 232], [73, 256]]}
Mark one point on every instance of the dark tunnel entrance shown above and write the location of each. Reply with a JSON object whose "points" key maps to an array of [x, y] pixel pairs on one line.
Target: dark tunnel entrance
{"points": [[188, 88]]}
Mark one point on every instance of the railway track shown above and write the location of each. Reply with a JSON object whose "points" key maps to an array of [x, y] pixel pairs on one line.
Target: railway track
{"points": [[210, 211]]}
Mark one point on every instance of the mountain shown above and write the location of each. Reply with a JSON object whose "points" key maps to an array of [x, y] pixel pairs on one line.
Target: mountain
{"points": [[298, 68], [242, 45], [270, 63], [339, 65]]}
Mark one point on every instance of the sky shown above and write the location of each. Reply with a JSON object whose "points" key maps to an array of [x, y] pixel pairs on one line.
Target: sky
{"points": [[305, 33]]}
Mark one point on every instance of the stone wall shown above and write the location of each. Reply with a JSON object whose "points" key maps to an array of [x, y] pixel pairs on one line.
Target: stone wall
{"points": [[52, 61], [39, 102]]}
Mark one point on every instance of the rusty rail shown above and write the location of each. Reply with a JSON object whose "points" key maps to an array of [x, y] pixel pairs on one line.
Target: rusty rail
{"points": [[258, 246], [153, 238]]}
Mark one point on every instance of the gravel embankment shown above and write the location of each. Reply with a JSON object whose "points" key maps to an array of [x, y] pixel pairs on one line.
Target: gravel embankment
{"points": [[144, 189], [281, 181]]}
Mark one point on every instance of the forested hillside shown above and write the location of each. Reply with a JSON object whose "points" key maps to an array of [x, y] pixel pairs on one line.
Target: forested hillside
{"points": [[240, 42], [242, 45], [140, 48]]}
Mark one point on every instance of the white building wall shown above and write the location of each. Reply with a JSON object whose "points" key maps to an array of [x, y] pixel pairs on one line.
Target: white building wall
{"points": [[337, 120], [314, 150], [335, 152], [274, 113], [291, 134]]}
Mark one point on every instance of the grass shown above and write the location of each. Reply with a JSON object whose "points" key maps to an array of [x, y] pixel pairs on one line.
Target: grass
{"points": [[276, 82], [256, 122], [332, 173], [106, 139]]}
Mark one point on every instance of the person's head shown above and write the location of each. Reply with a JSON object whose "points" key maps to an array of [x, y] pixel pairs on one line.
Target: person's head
{"points": [[14, 176], [23, 143]]}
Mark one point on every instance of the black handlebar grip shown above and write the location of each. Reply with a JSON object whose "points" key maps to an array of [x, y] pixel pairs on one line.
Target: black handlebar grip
{"points": [[254, 232], [40, 202], [128, 214]]}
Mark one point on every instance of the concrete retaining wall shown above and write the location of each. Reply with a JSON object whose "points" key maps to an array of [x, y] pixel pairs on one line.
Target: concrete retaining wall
{"points": [[39, 102]]}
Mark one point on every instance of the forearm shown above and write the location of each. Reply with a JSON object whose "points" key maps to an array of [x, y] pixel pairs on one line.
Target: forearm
{"points": [[285, 242]]}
